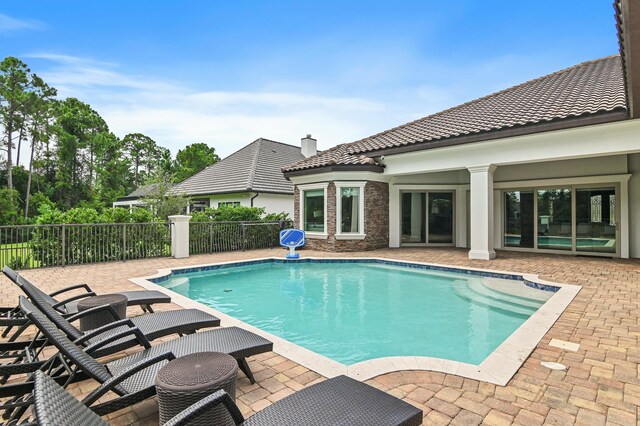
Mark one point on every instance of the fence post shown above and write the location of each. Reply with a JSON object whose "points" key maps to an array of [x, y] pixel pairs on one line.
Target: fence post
{"points": [[244, 236], [179, 236], [124, 241], [64, 247]]}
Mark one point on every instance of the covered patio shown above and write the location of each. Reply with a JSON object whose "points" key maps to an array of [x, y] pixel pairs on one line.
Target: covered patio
{"points": [[600, 386]]}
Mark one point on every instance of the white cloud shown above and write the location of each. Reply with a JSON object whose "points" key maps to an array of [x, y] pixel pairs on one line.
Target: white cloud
{"points": [[175, 115], [7, 24]]}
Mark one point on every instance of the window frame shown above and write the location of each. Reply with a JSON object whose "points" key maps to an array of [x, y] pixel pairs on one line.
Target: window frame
{"points": [[229, 203], [301, 213], [360, 235], [573, 187]]}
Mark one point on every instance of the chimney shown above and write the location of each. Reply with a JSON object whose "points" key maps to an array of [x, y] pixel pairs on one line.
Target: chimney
{"points": [[309, 146]]}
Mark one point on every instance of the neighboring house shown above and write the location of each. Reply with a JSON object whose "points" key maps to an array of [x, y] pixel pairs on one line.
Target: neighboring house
{"points": [[249, 177], [551, 165], [135, 198]]}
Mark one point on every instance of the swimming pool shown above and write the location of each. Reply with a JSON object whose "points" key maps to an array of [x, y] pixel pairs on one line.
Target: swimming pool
{"points": [[497, 368], [359, 311]]}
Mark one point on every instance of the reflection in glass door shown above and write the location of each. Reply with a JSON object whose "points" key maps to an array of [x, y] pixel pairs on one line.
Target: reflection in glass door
{"points": [[577, 220], [413, 217], [554, 219], [440, 210], [519, 219], [595, 220]]}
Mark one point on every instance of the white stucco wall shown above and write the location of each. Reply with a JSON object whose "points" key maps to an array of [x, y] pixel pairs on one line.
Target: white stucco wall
{"points": [[634, 205], [610, 165], [272, 203], [243, 198], [564, 172], [275, 203]]}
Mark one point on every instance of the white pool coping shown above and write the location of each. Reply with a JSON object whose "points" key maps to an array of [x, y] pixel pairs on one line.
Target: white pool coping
{"points": [[498, 368]]}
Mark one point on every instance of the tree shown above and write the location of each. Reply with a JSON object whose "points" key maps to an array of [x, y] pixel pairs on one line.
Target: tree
{"points": [[161, 200], [113, 169], [39, 113], [15, 83], [140, 147], [8, 206], [192, 159], [78, 131]]}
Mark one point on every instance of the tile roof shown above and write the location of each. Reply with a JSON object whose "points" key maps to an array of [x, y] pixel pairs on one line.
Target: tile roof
{"points": [[140, 192], [256, 167], [585, 89]]}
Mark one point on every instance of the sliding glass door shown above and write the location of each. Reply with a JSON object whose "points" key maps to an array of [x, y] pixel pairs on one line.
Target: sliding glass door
{"points": [[519, 219], [414, 227], [440, 217], [427, 217], [596, 220], [574, 219], [554, 219]]}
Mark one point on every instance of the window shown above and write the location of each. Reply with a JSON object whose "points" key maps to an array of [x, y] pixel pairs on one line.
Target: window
{"points": [[427, 217], [554, 219], [350, 209], [198, 205], [571, 219], [313, 212], [229, 204], [519, 219]]}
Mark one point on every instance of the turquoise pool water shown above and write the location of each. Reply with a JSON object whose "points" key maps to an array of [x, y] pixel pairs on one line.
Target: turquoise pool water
{"points": [[352, 312]]}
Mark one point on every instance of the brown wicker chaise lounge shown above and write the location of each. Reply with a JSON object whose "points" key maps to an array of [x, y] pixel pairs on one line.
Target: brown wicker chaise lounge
{"points": [[107, 340], [337, 401], [132, 377]]}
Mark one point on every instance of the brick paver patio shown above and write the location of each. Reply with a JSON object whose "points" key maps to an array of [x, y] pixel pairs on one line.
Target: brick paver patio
{"points": [[601, 385]]}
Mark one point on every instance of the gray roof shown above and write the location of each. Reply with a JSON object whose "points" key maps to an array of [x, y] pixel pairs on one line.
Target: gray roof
{"points": [[257, 168], [140, 192], [592, 90]]}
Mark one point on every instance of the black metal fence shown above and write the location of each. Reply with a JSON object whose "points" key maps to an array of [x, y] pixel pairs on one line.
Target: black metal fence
{"points": [[213, 237], [35, 246]]}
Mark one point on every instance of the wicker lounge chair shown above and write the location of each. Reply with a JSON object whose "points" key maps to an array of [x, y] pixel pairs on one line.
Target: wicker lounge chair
{"points": [[337, 401], [104, 340], [10, 317], [132, 377]]}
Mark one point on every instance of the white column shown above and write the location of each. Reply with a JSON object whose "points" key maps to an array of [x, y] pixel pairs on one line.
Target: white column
{"points": [[179, 236], [481, 178], [623, 229], [394, 216]]}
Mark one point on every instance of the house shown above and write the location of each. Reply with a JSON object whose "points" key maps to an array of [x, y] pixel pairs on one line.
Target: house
{"points": [[135, 198], [249, 177], [550, 165]]}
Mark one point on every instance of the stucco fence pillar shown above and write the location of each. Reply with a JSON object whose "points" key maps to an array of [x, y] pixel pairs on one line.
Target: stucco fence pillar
{"points": [[179, 236]]}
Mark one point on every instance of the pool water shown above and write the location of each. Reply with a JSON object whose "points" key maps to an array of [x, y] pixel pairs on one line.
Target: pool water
{"points": [[352, 312]]}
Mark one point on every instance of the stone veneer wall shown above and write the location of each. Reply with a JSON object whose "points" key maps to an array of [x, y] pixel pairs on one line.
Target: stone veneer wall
{"points": [[376, 220]]}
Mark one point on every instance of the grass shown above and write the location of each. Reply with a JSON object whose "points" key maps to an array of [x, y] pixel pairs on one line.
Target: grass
{"points": [[11, 254]]}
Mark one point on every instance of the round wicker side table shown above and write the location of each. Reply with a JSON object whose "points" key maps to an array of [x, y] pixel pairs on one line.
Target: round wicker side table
{"points": [[117, 301], [188, 379]]}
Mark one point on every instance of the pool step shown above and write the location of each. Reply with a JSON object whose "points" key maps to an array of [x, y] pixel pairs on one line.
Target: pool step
{"points": [[520, 291], [462, 290], [479, 287]]}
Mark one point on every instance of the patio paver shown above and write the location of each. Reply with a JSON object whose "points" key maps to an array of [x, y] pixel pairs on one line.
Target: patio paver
{"points": [[600, 386]]}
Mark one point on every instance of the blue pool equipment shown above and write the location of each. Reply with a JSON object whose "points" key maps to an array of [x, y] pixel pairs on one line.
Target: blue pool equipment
{"points": [[292, 238]]}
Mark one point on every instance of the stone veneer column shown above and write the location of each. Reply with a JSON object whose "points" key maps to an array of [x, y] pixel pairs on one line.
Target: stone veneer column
{"points": [[482, 212], [376, 220]]}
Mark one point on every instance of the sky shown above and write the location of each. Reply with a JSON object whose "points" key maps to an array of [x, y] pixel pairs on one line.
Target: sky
{"points": [[228, 72]]}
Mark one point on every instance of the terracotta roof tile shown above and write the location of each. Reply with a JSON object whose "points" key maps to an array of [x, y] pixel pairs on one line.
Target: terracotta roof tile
{"points": [[585, 89]]}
